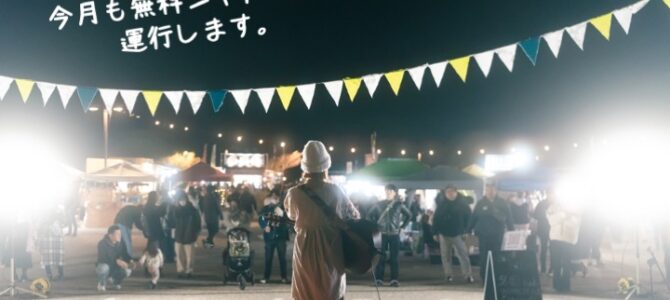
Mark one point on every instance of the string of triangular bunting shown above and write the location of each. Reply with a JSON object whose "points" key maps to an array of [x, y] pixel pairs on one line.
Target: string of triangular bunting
{"points": [[484, 60]]}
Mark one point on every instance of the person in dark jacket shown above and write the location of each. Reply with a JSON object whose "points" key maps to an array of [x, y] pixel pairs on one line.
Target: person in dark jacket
{"points": [[153, 213], [247, 201], [167, 245], [449, 224], [520, 211], [275, 236], [125, 218], [392, 216], [187, 227], [489, 221], [113, 261], [210, 206], [543, 229]]}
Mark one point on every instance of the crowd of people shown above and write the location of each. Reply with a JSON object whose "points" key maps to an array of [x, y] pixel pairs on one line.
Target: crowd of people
{"points": [[457, 227], [172, 225]]}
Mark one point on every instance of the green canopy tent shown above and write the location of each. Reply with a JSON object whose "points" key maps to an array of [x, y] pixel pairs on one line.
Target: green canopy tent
{"points": [[439, 177], [388, 170]]}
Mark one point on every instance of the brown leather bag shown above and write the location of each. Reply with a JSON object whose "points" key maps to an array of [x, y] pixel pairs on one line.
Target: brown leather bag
{"points": [[360, 254]]}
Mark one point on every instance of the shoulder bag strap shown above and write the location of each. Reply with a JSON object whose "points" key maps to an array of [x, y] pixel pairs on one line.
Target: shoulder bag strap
{"points": [[327, 210]]}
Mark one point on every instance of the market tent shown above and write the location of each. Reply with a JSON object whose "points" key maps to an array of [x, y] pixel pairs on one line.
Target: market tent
{"points": [[203, 172], [477, 171], [121, 172], [438, 178], [389, 169], [525, 179]]}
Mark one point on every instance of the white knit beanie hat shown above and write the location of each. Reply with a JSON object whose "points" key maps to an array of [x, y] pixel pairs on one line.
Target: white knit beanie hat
{"points": [[315, 158]]}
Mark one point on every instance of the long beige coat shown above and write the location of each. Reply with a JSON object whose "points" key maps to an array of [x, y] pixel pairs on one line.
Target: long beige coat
{"points": [[318, 267]]}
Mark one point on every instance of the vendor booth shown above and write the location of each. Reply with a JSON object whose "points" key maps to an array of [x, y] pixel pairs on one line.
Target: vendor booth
{"points": [[107, 190], [203, 172]]}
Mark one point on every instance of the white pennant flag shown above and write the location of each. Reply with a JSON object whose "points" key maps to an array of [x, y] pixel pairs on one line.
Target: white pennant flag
{"points": [[554, 40], [335, 90], [265, 94], [108, 97], [624, 17], [507, 55], [241, 98], [46, 89], [129, 98], [306, 91], [484, 61], [577, 33], [174, 97], [636, 7], [417, 75], [437, 69], [5, 83], [65, 92], [372, 82], [195, 98]]}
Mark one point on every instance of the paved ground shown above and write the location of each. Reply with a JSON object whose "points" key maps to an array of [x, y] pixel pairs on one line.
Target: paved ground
{"points": [[418, 278]]}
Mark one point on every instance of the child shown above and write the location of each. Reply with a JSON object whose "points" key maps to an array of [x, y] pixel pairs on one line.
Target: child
{"points": [[152, 260]]}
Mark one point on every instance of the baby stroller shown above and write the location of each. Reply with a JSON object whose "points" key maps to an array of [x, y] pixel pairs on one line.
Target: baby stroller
{"points": [[238, 257]]}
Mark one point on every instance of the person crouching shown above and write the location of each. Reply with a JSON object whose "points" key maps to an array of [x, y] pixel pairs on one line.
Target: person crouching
{"points": [[113, 260]]}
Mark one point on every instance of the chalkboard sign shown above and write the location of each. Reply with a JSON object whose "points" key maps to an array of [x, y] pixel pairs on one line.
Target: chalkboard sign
{"points": [[516, 277]]}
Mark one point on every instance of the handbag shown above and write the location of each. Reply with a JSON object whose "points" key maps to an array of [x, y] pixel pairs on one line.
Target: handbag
{"points": [[360, 254]]}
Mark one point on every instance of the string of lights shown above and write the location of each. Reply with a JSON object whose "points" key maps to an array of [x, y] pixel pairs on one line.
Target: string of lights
{"points": [[238, 139]]}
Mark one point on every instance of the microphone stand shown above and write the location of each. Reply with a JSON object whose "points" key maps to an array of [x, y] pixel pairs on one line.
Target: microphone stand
{"points": [[12, 289]]}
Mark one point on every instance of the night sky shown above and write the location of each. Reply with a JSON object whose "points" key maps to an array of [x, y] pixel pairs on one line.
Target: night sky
{"points": [[582, 94]]}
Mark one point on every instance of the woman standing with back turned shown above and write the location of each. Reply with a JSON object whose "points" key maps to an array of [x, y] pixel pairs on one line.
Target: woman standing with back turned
{"points": [[318, 261]]}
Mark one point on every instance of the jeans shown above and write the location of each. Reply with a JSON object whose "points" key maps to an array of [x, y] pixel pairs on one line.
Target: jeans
{"points": [[184, 257], [390, 242], [544, 246], [488, 242], [168, 249], [561, 265], [126, 239], [212, 230], [270, 247], [447, 246], [117, 274], [71, 223]]}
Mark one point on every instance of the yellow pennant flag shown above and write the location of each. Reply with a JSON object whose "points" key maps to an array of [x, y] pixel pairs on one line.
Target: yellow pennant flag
{"points": [[152, 98], [603, 24], [285, 95], [25, 87], [352, 85], [460, 65], [395, 79]]}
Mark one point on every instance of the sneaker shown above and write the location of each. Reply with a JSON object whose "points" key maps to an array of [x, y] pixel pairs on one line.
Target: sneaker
{"points": [[449, 279], [470, 279], [395, 283], [284, 281], [379, 283], [101, 288], [152, 286], [264, 281], [117, 287]]}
